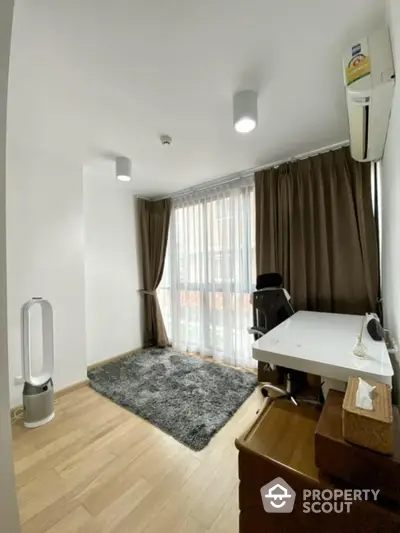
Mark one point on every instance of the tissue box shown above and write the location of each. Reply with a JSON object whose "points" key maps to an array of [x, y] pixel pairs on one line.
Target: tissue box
{"points": [[370, 429]]}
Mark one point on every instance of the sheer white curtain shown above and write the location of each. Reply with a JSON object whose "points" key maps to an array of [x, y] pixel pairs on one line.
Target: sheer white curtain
{"points": [[210, 273]]}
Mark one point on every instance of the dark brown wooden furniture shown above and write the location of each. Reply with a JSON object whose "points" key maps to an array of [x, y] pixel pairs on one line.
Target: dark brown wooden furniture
{"points": [[356, 465], [280, 443]]}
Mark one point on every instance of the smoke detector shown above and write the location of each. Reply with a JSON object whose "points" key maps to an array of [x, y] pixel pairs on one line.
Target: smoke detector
{"points": [[165, 140]]}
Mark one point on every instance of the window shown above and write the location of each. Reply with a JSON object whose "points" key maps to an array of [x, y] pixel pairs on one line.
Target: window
{"points": [[210, 273]]}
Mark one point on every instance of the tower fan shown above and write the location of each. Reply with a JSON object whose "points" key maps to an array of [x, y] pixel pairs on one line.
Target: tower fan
{"points": [[38, 393]]}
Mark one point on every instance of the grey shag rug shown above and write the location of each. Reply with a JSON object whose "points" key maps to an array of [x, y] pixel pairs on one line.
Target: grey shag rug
{"points": [[185, 396]]}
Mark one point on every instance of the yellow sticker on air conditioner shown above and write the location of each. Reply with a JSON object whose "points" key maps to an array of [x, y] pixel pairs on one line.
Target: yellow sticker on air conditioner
{"points": [[359, 66]]}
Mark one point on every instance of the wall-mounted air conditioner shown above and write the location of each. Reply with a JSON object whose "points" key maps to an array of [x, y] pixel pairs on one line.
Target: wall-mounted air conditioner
{"points": [[369, 79]]}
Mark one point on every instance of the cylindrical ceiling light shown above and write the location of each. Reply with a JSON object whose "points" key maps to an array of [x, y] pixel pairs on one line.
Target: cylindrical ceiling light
{"points": [[123, 168], [245, 111]]}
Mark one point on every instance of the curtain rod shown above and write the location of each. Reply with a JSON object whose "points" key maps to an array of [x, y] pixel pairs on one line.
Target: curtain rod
{"points": [[249, 172]]}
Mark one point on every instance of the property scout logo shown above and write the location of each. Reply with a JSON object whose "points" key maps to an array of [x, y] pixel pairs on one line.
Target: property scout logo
{"points": [[279, 497]]}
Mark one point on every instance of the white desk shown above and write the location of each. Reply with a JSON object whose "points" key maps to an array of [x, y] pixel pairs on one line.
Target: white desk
{"points": [[322, 344]]}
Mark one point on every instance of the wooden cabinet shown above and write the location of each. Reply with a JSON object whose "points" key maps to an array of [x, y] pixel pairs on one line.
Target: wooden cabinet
{"points": [[281, 443]]}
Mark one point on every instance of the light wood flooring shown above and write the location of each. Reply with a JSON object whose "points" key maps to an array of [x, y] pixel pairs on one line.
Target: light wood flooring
{"points": [[100, 469]]}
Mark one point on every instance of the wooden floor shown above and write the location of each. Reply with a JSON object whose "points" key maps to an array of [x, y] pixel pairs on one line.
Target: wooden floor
{"points": [[100, 469]]}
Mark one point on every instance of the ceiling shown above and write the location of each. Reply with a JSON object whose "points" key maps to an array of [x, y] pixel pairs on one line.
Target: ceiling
{"points": [[91, 79]]}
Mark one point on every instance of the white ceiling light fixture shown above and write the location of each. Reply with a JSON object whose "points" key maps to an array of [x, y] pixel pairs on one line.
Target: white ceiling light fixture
{"points": [[245, 111], [123, 169]]}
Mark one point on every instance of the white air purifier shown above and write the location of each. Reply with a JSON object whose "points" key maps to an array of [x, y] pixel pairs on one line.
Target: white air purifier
{"points": [[38, 393]]}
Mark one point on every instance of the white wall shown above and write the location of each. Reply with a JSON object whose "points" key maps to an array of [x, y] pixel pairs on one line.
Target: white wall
{"points": [[45, 256], [391, 193], [8, 503], [113, 303]]}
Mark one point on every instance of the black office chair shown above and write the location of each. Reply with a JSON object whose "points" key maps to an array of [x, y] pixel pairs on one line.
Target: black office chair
{"points": [[271, 307]]}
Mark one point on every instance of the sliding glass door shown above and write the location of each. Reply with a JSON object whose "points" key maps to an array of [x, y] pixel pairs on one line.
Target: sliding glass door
{"points": [[210, 273]]}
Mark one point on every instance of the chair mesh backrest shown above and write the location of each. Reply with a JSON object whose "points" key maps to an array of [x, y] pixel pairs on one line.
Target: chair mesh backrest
{"points": [[264, 304], [261, 301], [271, 307]]}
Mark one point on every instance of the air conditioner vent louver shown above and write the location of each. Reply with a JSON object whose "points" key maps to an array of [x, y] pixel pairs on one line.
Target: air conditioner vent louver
{"points": [[366, 130]]}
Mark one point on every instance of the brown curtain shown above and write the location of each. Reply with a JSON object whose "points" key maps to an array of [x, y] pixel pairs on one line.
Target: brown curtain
{"points": [[154, 220], [315, 226]]}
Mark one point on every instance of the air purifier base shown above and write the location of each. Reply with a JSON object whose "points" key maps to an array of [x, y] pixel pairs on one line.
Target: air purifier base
{"points": [[32, 425], [38, 401]]}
